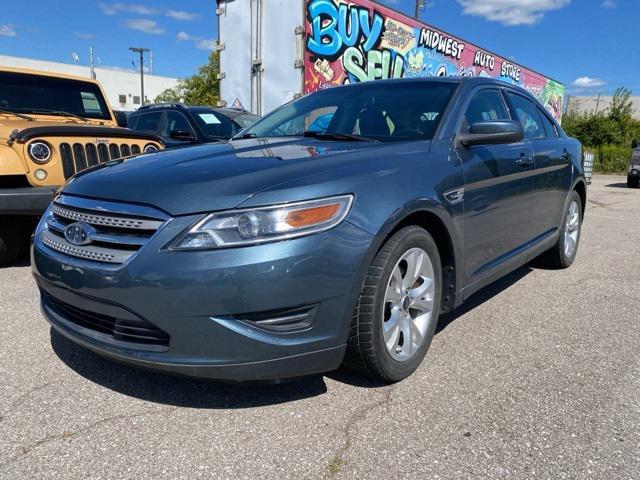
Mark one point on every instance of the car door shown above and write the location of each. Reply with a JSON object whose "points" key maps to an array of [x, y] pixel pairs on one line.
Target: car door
{"points": [[497, 190], [175, 121], [551, 169]]}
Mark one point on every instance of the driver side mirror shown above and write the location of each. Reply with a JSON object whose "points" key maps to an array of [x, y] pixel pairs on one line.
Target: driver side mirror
{"points": [[182, 135], [493, 132]]}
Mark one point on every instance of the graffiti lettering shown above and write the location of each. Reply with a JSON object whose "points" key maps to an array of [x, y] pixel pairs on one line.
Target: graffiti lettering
{"points": [[336, 28], [378, 65], [441, 43], [484, 60], [510, 70]]}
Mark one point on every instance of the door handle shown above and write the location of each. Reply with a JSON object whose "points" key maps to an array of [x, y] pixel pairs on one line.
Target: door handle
{"points": [[525, 161]]}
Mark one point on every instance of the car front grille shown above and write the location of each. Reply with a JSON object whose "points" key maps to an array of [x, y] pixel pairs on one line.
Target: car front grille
{"points": [[133, 331], [113, 237], [78, 156]]}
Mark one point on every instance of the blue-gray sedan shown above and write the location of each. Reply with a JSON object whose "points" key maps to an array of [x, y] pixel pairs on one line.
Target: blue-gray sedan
{"points": [[336, 229]]}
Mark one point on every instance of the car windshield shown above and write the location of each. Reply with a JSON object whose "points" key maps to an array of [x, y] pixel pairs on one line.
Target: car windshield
{"points": [[214, 124], [245, 119], [39, 94], [368, 111]]}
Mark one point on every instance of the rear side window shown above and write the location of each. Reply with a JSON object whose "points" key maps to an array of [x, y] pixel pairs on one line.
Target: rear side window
{"points": [[485, 106], [149, 122], [529, 117], [549, 127]]}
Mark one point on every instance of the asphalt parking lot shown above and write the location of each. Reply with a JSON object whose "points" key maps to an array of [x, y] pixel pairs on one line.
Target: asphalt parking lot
{"points": [[537, 377]]}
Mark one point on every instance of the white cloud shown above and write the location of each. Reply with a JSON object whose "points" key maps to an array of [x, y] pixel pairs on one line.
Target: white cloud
{"points": [[588, 82], [199, 42], [84, 36], [609, 3], [115, 8], [206, 44], [144, 25], [182, 15], [7, 31], [511, 12]]}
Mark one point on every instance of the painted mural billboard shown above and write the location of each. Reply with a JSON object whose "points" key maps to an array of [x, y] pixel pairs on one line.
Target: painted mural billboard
{"points": [[351, 41]]}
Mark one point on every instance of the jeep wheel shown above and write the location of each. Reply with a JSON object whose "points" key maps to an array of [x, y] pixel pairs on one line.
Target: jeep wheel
{"points": [[632, 182], [9, 244], [397, 311]]}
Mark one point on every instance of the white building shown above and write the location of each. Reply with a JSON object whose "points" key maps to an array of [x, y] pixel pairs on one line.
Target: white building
{"points": [[598, 104], [122, 87]]}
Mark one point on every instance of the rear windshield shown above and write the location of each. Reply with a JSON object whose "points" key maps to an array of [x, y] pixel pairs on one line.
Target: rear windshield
{"points": [[36, 94]]}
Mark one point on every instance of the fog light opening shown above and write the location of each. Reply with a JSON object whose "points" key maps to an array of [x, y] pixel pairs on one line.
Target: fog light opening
{"points": [[41, 174]]}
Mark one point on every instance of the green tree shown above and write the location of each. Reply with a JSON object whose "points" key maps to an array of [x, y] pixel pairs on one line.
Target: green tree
{"points": [[200, 89]]}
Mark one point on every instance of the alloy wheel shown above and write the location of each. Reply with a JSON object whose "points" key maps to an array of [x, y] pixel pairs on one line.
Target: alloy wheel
{"points": [[572, 229], [408, 304]]}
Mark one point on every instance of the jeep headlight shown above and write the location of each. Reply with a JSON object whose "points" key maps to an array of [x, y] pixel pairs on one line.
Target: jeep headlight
{"points": [[253, 226], [150, 148], [39, 152]]}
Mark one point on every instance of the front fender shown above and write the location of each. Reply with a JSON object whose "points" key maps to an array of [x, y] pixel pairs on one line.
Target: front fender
{"points": [[11, 162]]}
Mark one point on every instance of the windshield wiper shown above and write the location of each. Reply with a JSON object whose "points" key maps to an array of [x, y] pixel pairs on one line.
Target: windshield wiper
{"points": [[61, 113], [338, 136], [19, 115], [246, 135]]}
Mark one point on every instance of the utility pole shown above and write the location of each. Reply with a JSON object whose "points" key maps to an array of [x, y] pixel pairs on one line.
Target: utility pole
{"points": [[92, 68], [141, 51], [420, 4]]}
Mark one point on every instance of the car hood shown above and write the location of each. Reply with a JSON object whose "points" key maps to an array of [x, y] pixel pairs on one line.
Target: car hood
{"points": [[10, 123], [216, 176]]}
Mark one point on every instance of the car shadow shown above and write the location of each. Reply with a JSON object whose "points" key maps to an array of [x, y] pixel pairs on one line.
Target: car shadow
{"points": [[179, 391], [201, 393], [620, 185]]}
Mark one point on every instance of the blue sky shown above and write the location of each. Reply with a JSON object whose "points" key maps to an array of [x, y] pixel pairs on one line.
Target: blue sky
{"points": [[590, 45]]}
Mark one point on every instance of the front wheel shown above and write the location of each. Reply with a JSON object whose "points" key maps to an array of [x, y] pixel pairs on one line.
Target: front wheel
{"points": [[632, 182], [397, 312]]}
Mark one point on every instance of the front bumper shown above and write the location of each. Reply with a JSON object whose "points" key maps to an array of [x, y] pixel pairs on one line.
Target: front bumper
{"points": [[201, 299], [25, 200]]}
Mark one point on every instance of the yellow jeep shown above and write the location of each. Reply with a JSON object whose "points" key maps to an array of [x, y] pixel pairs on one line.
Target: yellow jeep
{"points": [[51, 127]]}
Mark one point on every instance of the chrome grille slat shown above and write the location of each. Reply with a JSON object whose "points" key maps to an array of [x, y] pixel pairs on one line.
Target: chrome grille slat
{"points": [[106, 220], [88, 252], [115, 233]]}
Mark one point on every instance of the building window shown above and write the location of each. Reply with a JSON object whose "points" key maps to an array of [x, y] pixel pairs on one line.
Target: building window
{"points": [[122, 99], [136, 100]]}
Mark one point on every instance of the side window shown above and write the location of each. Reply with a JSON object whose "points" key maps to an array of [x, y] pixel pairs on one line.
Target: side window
{"points": [[528, 115], [549, 127], [485, 105], [175, 121], [149, 122], [132, 122]]}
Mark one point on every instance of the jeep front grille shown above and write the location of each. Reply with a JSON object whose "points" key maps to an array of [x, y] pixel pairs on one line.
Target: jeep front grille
{"points": [[114, 239], [77, 156]]}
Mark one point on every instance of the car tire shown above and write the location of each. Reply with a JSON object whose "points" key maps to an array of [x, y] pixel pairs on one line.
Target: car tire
{"points": [[633, 182], [390, 305], [564, 252], [9, 244]]}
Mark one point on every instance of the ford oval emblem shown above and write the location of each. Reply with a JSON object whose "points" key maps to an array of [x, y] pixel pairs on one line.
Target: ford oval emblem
{"points": [[79, 234]]}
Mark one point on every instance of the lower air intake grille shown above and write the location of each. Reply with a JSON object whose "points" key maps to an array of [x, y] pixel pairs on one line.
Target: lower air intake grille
{"points": [[134, 331]]}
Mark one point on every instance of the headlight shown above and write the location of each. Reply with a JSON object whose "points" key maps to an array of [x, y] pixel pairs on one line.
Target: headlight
{"points": [[40, 152], [150, 148], [266, 224]]}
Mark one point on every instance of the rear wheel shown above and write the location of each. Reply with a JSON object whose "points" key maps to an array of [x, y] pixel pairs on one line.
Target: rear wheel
{"points": [[632, 182], [397, 311], [10, 236], [564, 251]]}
